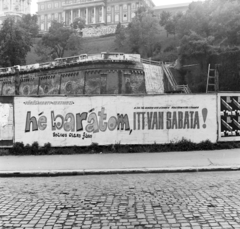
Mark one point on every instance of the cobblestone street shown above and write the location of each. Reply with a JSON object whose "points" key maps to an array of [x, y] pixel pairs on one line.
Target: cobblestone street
{"points": [[137, 201]]}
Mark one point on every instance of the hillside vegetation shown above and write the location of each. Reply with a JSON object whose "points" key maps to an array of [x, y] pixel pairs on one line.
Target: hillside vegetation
{"points": [[89, 46], [96, 45]]}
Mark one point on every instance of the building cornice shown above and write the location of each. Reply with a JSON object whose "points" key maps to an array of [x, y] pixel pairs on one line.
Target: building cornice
{"points": [[77, 6], [39, 1], [163, 7], [153, 5]]}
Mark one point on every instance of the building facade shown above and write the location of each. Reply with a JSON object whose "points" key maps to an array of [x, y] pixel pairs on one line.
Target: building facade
{"points": [[173, 9], [95, 12], [13, 8]]}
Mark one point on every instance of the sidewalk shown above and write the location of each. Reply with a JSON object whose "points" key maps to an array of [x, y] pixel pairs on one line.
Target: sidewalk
{"points": [[56, 165]]}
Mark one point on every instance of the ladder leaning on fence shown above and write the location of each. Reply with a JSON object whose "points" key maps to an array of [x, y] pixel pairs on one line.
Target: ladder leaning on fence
{"points": [[212, 79]]}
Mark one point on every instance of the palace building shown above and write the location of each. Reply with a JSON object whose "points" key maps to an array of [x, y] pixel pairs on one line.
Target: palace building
{"points": [[173, 8], [95, 12], [14, 8]]}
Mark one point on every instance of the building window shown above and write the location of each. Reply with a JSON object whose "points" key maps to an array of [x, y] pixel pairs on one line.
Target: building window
{"points": [[59, 17], [42, 6], [117, 18], [56, 5], [49, 6], [124, 17], [42, 26], [116, 7], [109, 18], [108, 8], [56, 15], [133, 5], [42, 17], [49, 25], [125, 6]]}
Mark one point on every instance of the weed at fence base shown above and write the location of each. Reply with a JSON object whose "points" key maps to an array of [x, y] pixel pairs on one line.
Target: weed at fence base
{"points": [[183, 145]]}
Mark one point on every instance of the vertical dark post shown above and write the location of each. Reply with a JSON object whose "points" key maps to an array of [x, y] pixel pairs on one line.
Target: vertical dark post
{"points": [[38, 84], [144, 80], [84, 87], [17, 80], [59, 91], [120, 82], [103, 89]]}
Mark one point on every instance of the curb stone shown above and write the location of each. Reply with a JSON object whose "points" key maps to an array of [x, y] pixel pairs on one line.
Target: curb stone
{"points": [[46, 173]]}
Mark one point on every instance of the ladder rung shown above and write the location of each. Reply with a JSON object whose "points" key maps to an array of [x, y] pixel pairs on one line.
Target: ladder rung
{"points": [[211, 84], [212, 76]]}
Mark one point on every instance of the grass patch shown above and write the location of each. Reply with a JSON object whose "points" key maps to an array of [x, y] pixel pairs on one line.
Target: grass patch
{"points": [[184, 145]]}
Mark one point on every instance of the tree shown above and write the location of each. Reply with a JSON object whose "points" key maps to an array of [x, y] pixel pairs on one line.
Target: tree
{"points": [[225, 23], [214, 20], [78, 23], [43, 52], [15, 43], [29, 23], [58, 40], [143, 33], [209, 33], [166, 20], [196, 19], [197, 47], [121, 38]]}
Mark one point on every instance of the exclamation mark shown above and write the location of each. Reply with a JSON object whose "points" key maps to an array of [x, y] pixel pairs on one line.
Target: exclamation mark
{"points": [[204, 114]]}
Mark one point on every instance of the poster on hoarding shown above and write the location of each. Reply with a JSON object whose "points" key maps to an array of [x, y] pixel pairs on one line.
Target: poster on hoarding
{"points": [[6, 121], [93, 83], [28, 84], [154, 79], [72, 83], [229, 116], [81, 121], [49, 84], [7, 86]]}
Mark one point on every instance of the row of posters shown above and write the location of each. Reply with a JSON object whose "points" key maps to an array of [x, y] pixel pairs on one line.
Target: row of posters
{"points": [[75, 83], [69, 121]]}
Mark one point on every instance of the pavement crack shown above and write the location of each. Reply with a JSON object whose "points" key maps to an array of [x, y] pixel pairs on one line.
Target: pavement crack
{"points": [[210, 162]]}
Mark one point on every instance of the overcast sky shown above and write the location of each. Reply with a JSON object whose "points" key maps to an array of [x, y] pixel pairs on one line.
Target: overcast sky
{"points": [[157, 3]]}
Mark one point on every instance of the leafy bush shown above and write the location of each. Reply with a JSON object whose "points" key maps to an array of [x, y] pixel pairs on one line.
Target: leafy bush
{"points": [[108, 35], [205, 145], [185, 145], [17, 149], [46, 148], [35, 148], [182, 145], [170, 49]]}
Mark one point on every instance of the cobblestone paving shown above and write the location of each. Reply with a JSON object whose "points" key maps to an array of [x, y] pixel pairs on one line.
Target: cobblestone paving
{"points": [[187, 200]]}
